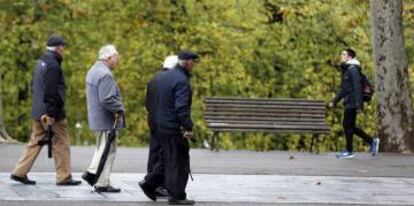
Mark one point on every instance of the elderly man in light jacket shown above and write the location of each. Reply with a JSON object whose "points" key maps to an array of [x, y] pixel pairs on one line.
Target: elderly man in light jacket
{"points": [[105, 107]]}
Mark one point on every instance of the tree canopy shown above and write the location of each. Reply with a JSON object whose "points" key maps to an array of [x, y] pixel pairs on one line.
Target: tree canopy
{"points": [[264, 48]]}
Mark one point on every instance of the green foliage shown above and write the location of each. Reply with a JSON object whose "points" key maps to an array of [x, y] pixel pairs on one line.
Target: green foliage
{"points": [[266, 48]]}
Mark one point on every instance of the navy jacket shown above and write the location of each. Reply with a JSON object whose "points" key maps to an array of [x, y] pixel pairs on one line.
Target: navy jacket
{"points": [[48, 87], [151, 102], [351, 85], [174, 98]]}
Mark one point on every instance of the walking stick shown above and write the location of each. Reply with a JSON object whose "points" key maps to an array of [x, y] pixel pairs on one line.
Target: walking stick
{"points": [[47, 139]]}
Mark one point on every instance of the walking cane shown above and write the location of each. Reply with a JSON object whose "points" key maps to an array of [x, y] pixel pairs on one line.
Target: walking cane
{"points": [[47, 139], [189, 140]]}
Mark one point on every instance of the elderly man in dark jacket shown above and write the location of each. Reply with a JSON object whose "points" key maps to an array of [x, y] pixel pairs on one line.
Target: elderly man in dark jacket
{"points": [[155, 166], [174, 127], [351, 91], [48, 100]]}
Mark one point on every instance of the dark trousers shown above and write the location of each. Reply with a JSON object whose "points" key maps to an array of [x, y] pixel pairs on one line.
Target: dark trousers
{"points": [[350, 128], [155, 166], [176, 163]]}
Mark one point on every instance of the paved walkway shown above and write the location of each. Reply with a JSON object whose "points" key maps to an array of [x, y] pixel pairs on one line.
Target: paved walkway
{"points": [[227, 178], [134, 160], [229, 189]]}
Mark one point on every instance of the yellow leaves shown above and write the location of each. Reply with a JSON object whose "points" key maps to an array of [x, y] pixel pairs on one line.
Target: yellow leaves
{"points": [[408, 12]]}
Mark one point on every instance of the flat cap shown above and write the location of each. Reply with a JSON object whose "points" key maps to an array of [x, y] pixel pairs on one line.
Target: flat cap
{"points": [[186, 55], [55, 41]]}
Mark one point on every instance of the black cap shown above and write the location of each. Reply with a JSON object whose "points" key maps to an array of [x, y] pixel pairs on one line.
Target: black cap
{"points": [[186, 55], [55, 41]]}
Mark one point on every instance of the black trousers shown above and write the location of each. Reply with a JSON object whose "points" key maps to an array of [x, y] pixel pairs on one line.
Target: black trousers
{"points": [[350, 128], [176, 159], [155, 165]]}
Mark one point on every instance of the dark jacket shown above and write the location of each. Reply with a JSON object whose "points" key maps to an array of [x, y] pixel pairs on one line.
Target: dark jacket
{"points": [[351, 85], [48, 87], [174, 100], [151, 102]]}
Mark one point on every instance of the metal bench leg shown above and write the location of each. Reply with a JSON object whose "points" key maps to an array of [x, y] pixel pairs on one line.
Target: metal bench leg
{"points": [[317, 144], [218, 145], [213, 141], [314, 137]]}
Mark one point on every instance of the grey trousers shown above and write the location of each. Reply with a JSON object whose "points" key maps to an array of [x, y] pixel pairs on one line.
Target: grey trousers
{"points": [[101, 140]]}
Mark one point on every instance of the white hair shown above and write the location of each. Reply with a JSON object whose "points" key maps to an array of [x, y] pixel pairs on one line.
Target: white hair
{"points": [[182, 62], [51, 48], [170, 62], [107, 51]]}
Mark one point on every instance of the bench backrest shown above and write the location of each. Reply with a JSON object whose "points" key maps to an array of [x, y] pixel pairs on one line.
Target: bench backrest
{"points": [[232, 114]]}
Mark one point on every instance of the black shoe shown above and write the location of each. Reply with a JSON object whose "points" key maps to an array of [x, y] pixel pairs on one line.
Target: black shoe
{"points": [[69, 182], [173, 201], [147, 191], [89, 178], [23, 180], [108, 188], [161, 192]]}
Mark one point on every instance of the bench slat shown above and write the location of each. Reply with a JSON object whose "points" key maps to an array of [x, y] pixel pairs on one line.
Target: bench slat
{"points": [[244, 99], [252, 114], [270, 130], [270, 106], [260, 110], [250, 118], [285, 103], [267, 126], [265, 122]]}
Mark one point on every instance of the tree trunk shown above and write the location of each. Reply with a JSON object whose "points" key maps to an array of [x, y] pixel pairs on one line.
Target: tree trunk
{"points": [[395, 116]]}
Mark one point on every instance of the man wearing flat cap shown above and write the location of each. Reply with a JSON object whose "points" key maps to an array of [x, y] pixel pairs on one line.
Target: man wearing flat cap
{"points": [[155, 165], [175, 127], [105, 110], [48, 103]]}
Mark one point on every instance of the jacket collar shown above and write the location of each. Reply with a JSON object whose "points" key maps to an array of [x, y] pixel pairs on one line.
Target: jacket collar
{"points": [[352, 62], [183, 70], [54, 55], [102, 65]]}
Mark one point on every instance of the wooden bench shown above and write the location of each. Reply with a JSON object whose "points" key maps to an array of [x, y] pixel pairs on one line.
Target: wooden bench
{"points": [[233, 114]]}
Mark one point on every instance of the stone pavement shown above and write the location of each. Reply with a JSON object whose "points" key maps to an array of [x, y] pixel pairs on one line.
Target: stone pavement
{"points": [[227, 178], [241, 162], [228, 189]]}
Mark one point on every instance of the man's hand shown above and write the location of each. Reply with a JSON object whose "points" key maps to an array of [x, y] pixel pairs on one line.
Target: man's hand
{"points": [[50, 120], [188, 134], [117, 117]]}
